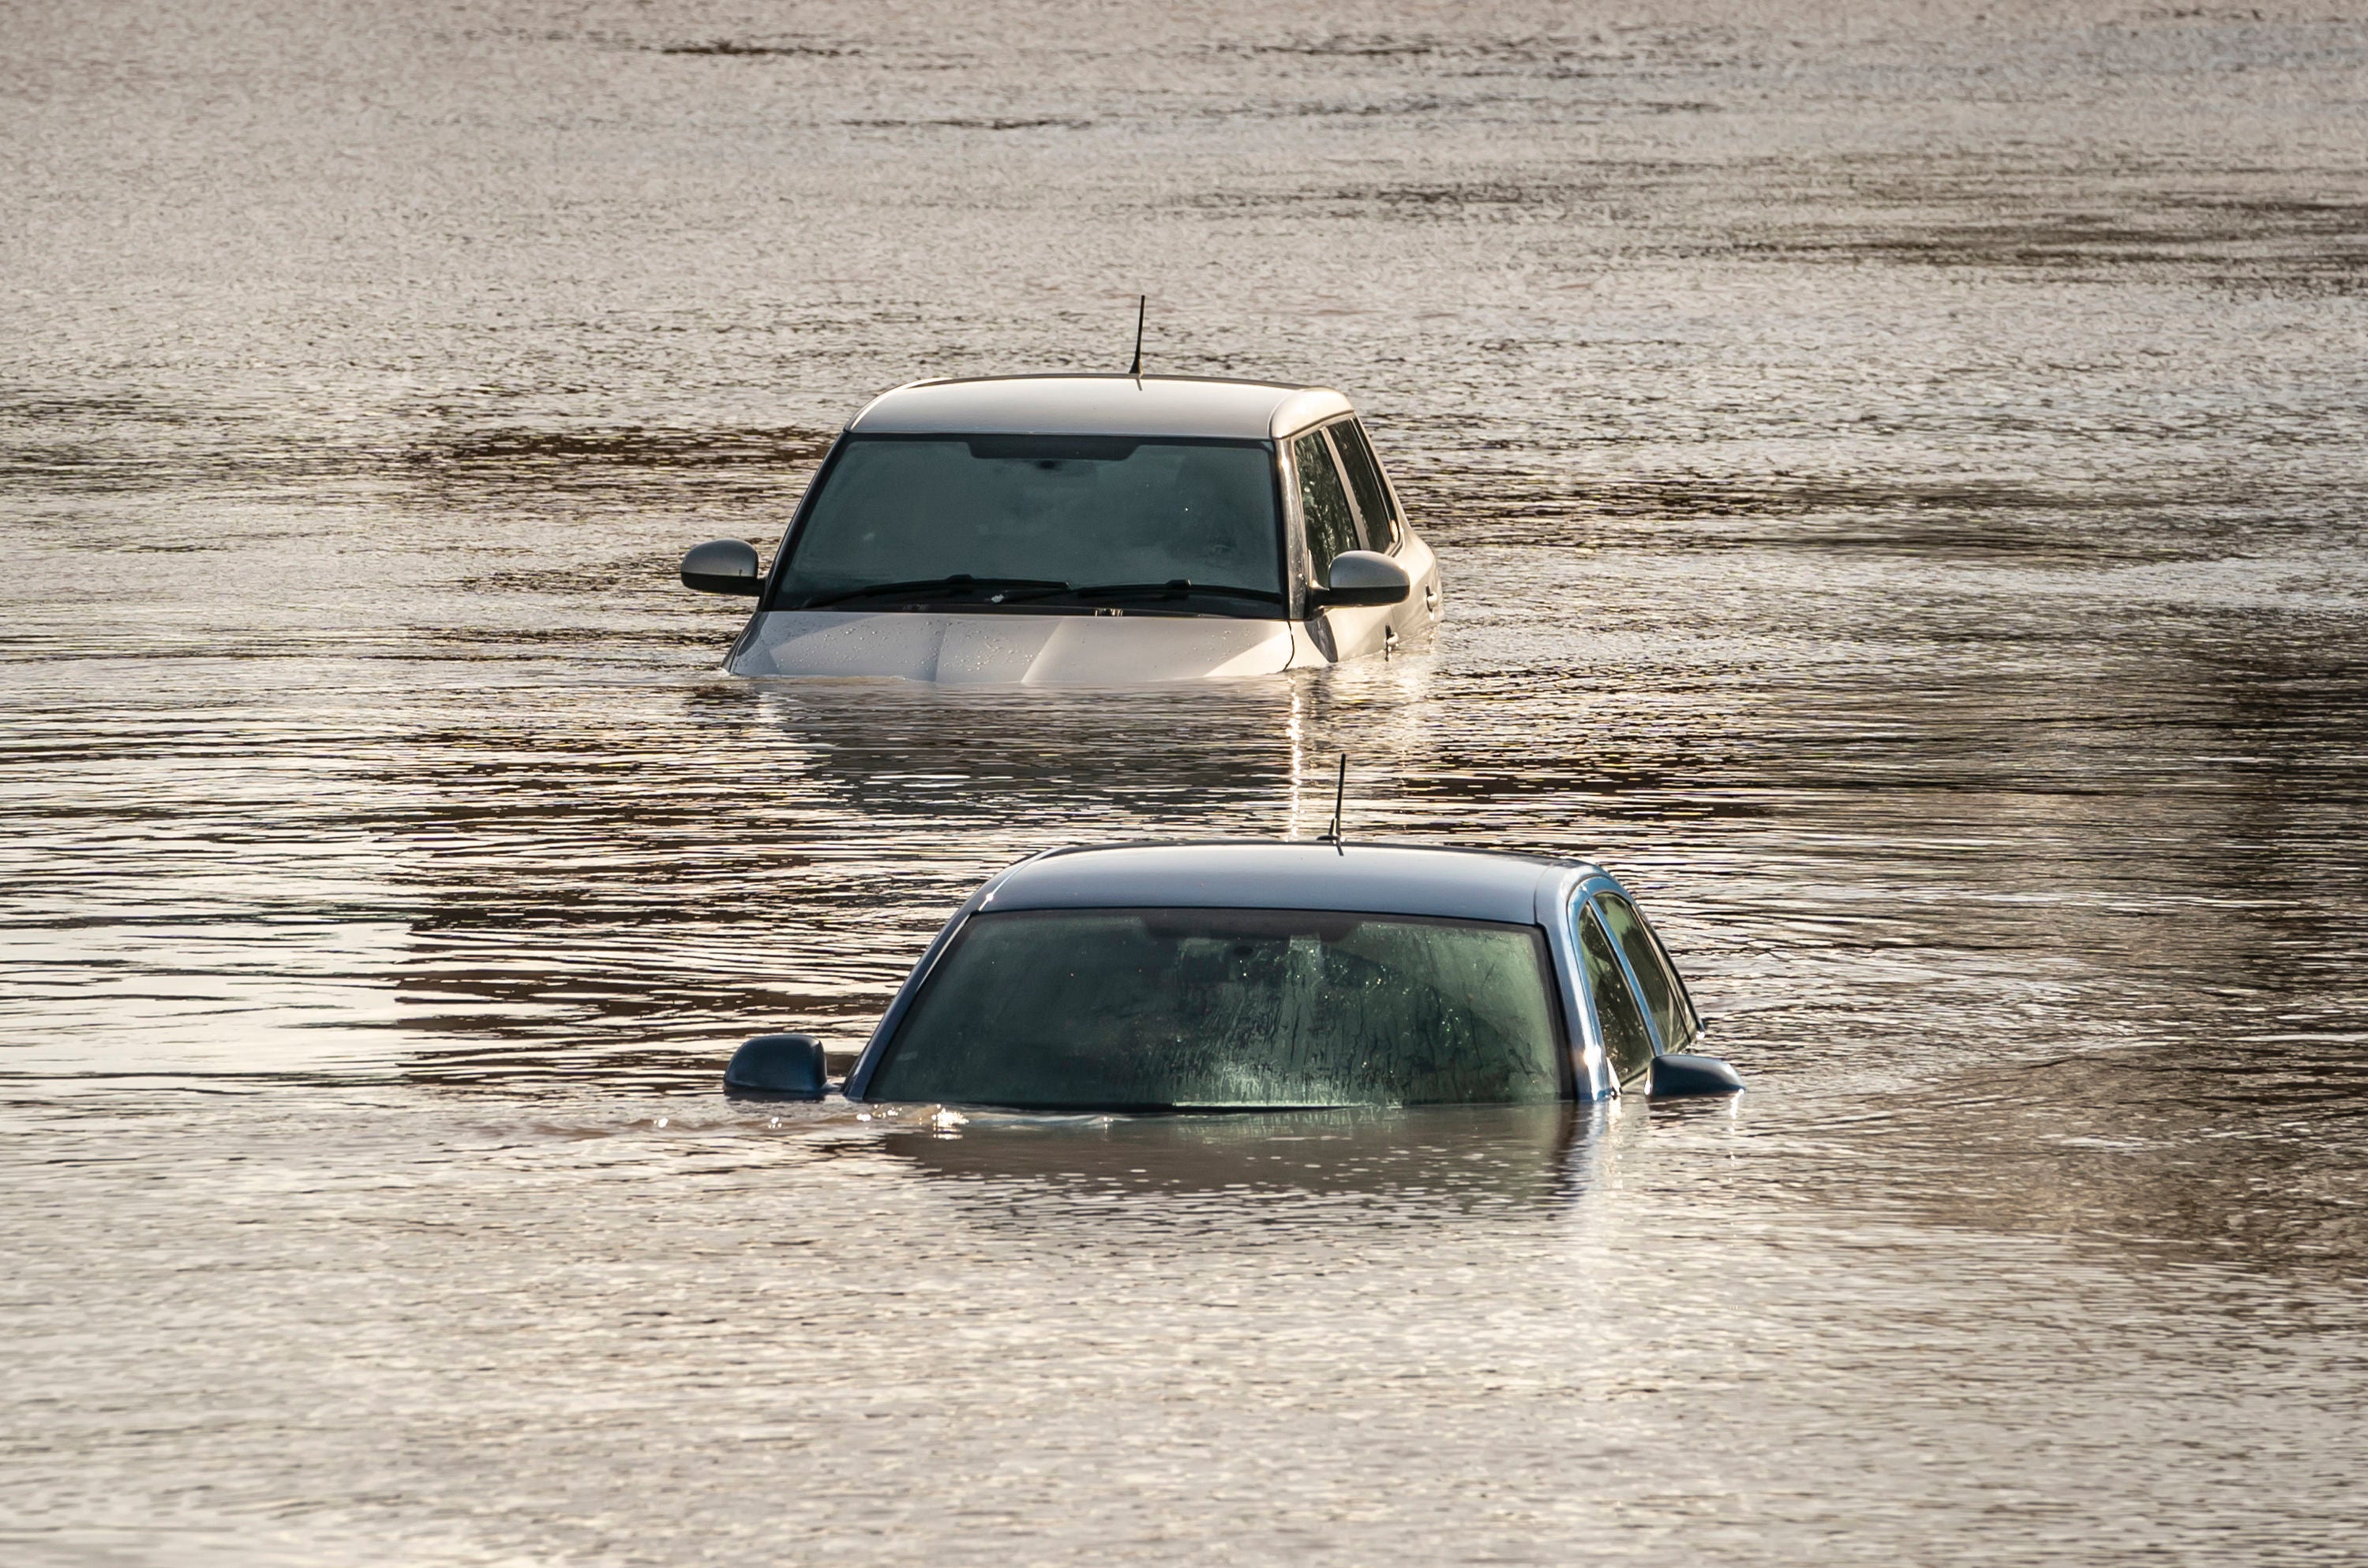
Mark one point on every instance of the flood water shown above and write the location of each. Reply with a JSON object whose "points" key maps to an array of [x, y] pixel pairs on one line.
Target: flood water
{"points": [[1899, 483]]}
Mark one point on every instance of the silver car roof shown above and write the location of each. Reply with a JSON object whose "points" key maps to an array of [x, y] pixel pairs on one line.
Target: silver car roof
{"points": [[1188, 407], [1371, 878]]}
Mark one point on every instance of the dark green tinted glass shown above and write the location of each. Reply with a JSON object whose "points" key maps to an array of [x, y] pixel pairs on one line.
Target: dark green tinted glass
{"points": [[1662, 993], [1331, 527], [1205, 1008], [1625, 1039]]}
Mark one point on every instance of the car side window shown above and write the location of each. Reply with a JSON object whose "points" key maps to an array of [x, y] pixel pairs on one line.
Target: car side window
{"points": [[1324, 502], [1616, 1012], [1365, 483], [1663, 992]]}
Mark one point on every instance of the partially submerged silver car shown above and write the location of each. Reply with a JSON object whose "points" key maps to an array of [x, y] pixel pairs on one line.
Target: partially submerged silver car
{"points": [[1233, 976], [1086, 530]]}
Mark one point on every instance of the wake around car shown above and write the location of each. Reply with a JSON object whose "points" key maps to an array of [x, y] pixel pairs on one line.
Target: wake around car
{"points": [[1079, 530], [1241, 976]]}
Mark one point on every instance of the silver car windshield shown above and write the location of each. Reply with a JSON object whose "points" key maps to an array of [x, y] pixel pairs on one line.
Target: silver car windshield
{"points": [[1210, 1008], [1034, 522]]}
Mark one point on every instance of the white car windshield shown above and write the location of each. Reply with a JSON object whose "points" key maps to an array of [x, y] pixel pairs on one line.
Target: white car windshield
{"points": [[1009, 522], [1213, 1008]]}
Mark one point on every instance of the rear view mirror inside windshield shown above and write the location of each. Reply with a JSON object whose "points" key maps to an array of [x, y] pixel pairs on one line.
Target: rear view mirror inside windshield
{"points": [[1055, 449]]}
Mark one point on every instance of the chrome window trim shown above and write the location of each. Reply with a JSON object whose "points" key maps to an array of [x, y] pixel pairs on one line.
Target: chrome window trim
{"points": [[1591, 1077], [1295, 588], [1294, 532], [1584, 899], [1394, 525], [1397, 502]]}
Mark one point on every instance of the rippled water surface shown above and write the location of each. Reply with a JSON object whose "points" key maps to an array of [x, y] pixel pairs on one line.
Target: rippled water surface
{"points": [[1898, 478]]}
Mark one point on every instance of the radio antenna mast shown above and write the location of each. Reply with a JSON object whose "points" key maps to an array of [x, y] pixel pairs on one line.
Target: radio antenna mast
{"points": [[1339, 791], [1142, 307]]}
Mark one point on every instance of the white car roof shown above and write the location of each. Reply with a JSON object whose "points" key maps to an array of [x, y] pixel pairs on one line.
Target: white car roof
{"points": [[1190, 406], [1372, 878]]}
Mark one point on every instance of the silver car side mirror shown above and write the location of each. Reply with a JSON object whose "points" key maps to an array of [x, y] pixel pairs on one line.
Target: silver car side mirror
{"points": [[1363, 577], [723, 566]]}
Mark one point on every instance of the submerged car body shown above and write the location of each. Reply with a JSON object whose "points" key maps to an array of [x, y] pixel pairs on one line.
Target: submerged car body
{"points": [[1079, 529], [1273, 975]]}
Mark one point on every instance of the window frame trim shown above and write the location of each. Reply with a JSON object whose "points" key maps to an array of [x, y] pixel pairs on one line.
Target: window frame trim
{"points": [[1581, 906], [1286, 446], [1395, 520], [1661, 949]]}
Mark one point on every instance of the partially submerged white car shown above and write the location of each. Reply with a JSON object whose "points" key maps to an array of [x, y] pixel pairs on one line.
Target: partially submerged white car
{"points": [[1082, 530]]}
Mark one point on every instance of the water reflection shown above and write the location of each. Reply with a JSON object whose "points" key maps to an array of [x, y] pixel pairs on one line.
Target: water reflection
{"points": [[560, 906], [1450, 1159]]}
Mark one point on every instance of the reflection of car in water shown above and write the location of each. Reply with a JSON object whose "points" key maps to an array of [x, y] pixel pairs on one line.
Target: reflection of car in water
{"points": [[1234, 976], [1086, 530], [1462, 1159]]}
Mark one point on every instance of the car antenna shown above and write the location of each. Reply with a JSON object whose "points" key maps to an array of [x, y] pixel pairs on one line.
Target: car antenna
{"points": [[1339, 790], [1142, 307]]}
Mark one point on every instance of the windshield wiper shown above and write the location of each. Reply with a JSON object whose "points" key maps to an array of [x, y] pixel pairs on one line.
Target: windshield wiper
{"points": [[962, 580], [1174, 587]]}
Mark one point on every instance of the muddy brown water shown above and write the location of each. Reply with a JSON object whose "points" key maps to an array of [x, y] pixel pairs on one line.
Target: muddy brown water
{"points": [[1898, 478]]}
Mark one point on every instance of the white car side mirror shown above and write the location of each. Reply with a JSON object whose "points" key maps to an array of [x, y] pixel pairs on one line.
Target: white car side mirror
{"points": [[1363, 577]]}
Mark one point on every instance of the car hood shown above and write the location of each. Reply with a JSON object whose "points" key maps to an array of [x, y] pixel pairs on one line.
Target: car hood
{"points": [[1009, 650]]}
